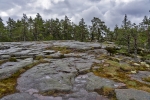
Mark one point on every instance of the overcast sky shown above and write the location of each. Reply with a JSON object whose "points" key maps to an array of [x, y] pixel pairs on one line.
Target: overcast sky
{"points": [[110, 11]]}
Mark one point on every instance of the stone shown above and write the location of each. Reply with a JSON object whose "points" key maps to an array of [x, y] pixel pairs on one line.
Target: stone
{"points": [[141, 74], [57, 55], [120, 85], [136, 64], [44, 77], [8, 71], [19, 96], [95, 82], [5, 56], [131, 94]]}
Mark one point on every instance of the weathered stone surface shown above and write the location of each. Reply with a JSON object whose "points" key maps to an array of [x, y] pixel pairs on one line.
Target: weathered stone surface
{"points": [[45, 77], [8, 71], [77, 45], [97, 51], [131, 94], [26, 96], [141, 74], [8, 64], [95, 82], [66, 76], [20, 96], [5, 56], [84, 95]]}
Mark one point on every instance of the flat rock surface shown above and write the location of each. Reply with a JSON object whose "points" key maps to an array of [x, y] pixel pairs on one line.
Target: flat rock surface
{"points": [[62, 76], [131, 94], [141, 74], [6, 72]]}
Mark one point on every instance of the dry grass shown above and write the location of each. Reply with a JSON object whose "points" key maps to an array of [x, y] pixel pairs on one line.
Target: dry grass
{"points": [[147, 79], [63, 50], [120, 73]]}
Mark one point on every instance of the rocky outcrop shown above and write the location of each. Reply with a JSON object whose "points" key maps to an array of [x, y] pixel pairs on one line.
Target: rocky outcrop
{"points": [[64, 76]]}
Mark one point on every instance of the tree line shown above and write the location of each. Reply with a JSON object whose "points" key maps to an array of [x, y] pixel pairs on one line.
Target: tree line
{"points": [[28, 29]]}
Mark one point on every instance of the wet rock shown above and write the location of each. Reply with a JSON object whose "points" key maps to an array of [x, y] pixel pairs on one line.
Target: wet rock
{"points": [[131, 94]]}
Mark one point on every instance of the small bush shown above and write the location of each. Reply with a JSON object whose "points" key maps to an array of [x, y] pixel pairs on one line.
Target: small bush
{"points": [[111, 50]]}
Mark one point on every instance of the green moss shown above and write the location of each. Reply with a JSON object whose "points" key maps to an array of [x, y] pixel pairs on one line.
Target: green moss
{"points": [[55, 93], [131, 83], [63, 50], [120, 73], [12, 59]]}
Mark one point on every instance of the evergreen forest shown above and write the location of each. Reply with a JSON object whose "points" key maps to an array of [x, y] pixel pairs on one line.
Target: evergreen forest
{"points": [[128, 34]]}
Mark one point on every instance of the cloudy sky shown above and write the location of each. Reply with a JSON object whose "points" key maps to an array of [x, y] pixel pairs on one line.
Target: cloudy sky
{"points": [[110, 11]]}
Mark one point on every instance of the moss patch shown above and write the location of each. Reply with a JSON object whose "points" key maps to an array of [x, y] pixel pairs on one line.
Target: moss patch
{"points": [[55, 93], [120, 73], [63, 50], [12, 59]]}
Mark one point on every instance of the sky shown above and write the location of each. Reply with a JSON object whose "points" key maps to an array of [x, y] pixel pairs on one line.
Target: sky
{"points": [[112, 12]]}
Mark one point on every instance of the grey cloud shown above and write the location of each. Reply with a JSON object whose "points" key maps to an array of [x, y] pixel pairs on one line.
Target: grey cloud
{"points": [[138, 8], [110, 11]]}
